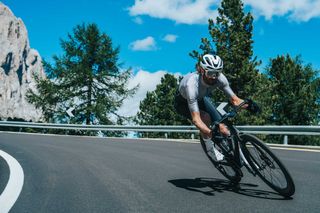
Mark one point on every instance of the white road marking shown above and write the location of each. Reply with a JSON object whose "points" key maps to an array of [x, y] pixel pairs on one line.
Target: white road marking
{"points": [[14, 186]]}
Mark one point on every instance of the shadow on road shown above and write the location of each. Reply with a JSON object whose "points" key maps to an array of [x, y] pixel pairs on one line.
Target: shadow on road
{"points": [[210, 186]]}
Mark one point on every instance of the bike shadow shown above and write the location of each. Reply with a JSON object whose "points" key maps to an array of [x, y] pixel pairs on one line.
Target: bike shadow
{"points": [[210, 186]]}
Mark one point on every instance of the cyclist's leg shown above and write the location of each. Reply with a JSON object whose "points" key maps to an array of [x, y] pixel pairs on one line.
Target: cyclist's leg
{"points": [[181, 106], [215, 115], [206, 118], [208, 112], [211, 109]]}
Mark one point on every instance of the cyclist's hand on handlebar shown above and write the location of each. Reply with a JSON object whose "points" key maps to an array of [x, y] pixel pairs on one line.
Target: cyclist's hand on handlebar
{"points": [[238, 102], [253, 107]]}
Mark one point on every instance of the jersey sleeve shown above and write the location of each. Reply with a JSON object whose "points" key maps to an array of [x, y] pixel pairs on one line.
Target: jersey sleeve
{"points": [[225, 87]]}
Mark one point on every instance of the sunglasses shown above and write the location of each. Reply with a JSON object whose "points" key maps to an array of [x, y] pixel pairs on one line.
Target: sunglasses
{"points": [[213, 73]]}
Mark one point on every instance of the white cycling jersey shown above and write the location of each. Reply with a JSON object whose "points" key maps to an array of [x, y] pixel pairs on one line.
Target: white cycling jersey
{"points": [[193, 88]]}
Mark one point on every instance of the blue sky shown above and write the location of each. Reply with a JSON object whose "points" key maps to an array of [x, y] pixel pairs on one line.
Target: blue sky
{"points": [[276, 30], [155, 36]]}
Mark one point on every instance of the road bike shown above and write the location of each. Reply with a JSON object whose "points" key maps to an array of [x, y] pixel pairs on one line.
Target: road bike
{"points": [[239, 150]]}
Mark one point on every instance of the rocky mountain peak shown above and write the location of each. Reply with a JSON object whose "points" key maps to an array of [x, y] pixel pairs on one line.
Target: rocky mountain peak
{"points": [[18, 64]]}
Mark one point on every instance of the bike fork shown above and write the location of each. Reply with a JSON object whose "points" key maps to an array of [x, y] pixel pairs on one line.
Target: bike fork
{"points": [[244, 162]]}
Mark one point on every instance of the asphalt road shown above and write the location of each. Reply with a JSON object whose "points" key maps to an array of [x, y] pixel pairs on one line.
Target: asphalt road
{"points": [[82, 174]]}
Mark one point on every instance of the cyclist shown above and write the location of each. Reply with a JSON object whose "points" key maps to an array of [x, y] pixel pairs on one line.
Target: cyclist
{"points": [[192, 99]]}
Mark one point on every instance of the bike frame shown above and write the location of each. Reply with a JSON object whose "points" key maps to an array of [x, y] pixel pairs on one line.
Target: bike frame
{"points": [[238, 156]]}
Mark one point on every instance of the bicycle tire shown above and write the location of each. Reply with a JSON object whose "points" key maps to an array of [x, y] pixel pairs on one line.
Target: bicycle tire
{"points": [[260, 157], [228, 169]]}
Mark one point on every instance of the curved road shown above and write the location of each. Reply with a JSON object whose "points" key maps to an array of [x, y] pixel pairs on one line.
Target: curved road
{"points": [[83, 174]]}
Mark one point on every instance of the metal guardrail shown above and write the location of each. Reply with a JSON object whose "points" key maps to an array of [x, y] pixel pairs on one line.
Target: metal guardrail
{"points": [[277, 130], [281, 130], [273, 130], [186, 129]]}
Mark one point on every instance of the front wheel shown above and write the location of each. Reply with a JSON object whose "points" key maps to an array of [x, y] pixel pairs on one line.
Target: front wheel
{"points": [[227, 168], [269, 168]]}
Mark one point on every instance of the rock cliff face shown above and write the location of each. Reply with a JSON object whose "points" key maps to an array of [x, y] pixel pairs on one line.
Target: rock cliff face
{"points": [[18, 63]]}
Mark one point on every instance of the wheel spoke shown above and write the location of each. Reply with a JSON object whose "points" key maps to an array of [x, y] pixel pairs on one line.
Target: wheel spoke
{"points": [[275, 172], [224, 166], [267, 165], [268, 168]]}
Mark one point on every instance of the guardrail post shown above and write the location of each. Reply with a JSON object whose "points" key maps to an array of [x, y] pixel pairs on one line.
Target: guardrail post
{"points": [[285, 140]]}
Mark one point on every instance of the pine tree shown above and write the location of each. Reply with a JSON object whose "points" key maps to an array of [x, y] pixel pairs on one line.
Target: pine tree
{"points": [[231, 34], [295, 97], [296, 91], [86, 77], [158, 106]]}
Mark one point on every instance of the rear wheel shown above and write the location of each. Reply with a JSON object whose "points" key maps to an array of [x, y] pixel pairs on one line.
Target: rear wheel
{"points": [[269, 168], [226, 167]]}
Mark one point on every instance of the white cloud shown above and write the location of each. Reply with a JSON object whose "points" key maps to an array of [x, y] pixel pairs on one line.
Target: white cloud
{"points": [[199, 11], [297, 10], [170, 38], [148, 82], [181, 11], [146, 44]]}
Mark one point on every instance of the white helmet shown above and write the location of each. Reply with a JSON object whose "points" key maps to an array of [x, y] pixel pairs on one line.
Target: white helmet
{"points": [[212, 64]]}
